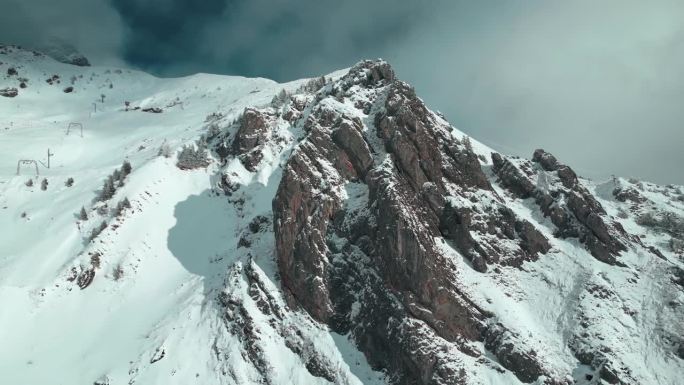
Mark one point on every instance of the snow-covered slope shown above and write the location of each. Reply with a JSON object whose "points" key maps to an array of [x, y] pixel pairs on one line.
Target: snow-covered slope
{"points": [[176, 247], [524, 273]]}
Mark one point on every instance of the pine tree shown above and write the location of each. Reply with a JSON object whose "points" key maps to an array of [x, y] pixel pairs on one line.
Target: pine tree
{"points": [[83, 215], [279, 99], [97, 230], [126, 168], [164, 150], [121, 206], [193, 157], [107, 189], [468, 145], [44, 184], [69, 182], [29, 183], [118, 272]]}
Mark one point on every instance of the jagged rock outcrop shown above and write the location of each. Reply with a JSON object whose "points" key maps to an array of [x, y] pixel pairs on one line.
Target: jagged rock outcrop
{"points": [[571, 208], [9, 92], [254, 129], [413, 177]]}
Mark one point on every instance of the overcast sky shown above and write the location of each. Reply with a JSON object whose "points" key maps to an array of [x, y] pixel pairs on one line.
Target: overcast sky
{"points": [[598, 83]]}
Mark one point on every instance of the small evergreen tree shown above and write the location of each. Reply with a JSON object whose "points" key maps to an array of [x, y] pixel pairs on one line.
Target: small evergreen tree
{"points": [[97, 230], [313, 85], [29, 183], [279, 99], [83, 215], [192, 157], [126, 168], [468, 145], [69, 182], [121, 206], [108, 189], [44, 184], [164, 150]]}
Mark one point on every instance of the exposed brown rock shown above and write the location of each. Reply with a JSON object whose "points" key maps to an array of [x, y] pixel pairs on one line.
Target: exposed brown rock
{"points": [[547, 161], [9, 92], [349, 138], [571, 208], [628, 194], [85, 278], [388, 253], [512, 177], [253, 132]]}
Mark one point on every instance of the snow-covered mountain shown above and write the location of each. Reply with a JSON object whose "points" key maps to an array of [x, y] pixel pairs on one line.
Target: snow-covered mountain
{"points": [[224, 230]]}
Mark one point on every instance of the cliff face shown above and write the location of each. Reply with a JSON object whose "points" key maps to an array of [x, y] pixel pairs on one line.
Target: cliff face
{"points": [[382, 210]]}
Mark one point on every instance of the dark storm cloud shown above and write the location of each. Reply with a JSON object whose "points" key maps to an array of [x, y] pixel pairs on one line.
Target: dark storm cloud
{"points": [[159, 32], [91, 25], [598, 83], [281, 39]]}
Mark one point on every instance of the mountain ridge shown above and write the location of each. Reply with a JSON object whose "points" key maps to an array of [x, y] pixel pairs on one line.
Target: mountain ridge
{"points": [[345, 196]]}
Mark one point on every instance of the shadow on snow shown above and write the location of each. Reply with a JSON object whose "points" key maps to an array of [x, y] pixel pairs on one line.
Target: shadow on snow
{"points": [[204, 237]]}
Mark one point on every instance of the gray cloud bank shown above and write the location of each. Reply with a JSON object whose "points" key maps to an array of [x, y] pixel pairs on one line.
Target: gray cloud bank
{"points": [[600, 84]]}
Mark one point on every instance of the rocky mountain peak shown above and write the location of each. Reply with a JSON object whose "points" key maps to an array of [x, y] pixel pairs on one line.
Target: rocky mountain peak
{"points": [[376, 191]]}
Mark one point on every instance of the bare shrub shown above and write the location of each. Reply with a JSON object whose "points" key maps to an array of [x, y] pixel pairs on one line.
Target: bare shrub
{"points": [[118, 272], [663, 221], [677, 245], [103, 210], [96, 260]]}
